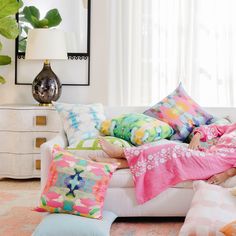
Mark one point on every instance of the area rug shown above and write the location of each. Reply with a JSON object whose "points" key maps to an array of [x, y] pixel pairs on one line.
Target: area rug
{"points": [[16, 215], [18, 219]]}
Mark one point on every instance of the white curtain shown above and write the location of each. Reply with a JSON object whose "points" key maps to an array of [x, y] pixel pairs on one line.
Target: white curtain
{"points": [[155, 44]]}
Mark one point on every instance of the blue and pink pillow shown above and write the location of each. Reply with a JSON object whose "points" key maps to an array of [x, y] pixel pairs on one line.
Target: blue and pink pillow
{"points": [[75, 185]]}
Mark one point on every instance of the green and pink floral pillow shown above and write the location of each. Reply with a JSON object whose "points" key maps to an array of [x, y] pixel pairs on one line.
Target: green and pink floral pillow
{"points": [[75, 185], [181, 112]]}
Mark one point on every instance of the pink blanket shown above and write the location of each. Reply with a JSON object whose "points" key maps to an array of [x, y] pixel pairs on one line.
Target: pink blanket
{"points": [[157, 166]]}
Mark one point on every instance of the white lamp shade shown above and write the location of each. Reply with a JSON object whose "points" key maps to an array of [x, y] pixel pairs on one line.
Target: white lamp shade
{"points": [[45, 44]]}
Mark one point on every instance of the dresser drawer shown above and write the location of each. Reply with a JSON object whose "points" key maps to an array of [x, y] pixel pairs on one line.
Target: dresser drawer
{"points": [[17, 166], [29, 120], [23, 142]]}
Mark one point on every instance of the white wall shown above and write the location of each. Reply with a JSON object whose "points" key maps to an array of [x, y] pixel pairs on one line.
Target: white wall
{"points": [[98, 89]]}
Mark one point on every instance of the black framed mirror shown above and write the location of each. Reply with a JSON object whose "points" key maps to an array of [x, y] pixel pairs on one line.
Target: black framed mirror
{"points": [[76, 19]]}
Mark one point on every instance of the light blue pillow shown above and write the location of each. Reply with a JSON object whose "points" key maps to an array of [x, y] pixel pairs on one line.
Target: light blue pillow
{"points": [[80, 121], [72, 225]]}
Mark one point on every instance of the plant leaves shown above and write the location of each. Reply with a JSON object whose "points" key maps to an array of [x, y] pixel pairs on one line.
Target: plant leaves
{"points": [[22, 45], [54, 18], [26, 29], [32, 15], [4, 60], [2, 80], [9, 7], [9, 27], [0, 46], [43, 23]]}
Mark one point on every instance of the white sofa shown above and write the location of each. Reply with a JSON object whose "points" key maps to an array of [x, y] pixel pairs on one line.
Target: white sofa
{"points": [[120, 197]]}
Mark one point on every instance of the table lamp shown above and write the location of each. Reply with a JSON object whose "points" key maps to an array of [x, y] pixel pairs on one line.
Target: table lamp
{"points": [[46, 44]]}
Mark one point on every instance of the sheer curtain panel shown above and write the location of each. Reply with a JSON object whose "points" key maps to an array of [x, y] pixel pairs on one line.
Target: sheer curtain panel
{"points": [[155, 44]]}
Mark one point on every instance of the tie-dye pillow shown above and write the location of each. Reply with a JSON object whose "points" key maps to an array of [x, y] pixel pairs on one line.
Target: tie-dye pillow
{"points": [[75, 185], [80, 121], [136, 128], [181, 112]]}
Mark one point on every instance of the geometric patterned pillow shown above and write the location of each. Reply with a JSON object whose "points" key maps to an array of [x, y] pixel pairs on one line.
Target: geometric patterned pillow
{"points": [[136, 128], [91, 147], [80, 121], [75, 185], [212, 207], [181, 112]]}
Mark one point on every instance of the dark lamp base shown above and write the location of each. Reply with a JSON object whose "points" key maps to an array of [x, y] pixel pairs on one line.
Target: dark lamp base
{"points": [[46, 86]]}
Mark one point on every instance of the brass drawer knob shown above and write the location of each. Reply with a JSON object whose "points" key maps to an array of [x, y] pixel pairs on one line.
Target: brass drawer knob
{"points": [[41, 120], [38, 164], [39, 142]]}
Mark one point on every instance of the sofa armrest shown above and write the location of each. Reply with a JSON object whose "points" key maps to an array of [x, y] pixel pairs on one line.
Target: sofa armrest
{"points": [[46, 153]]}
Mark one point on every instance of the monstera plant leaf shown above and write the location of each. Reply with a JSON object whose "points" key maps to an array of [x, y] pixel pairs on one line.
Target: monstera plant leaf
{"points": [[8, 26]]}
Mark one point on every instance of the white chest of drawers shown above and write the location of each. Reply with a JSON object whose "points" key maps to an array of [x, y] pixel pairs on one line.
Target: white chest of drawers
{"points": [[22, 130]]}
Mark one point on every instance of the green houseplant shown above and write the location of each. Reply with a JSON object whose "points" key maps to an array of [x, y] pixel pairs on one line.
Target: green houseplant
{"points": [[30, 18], [8, 26]]}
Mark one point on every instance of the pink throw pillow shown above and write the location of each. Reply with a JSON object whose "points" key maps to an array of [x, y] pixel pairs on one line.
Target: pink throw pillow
{"points": [[75, 185], [181, 112], [212, 207]]}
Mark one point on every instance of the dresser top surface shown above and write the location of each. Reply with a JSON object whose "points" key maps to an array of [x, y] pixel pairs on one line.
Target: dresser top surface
{"points": [[25, 107]]}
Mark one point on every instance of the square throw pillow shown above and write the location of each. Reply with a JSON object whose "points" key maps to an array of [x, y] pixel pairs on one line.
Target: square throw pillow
{"points": [[75, 185], [136, 128], [212, 207], [80, 121], [91, 147], [181, 112], [71, 225]]}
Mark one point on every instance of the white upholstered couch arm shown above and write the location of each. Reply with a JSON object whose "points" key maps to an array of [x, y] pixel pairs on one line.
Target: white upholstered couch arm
{"points": [[46, 153]]}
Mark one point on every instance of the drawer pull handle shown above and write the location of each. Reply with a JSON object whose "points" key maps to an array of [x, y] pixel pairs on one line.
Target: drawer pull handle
{"points": [[41, 120], [39, 142], [38, 164]]}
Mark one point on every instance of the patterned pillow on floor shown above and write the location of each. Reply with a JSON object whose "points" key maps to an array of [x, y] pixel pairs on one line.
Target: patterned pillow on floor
{"points": [[212, 207]]}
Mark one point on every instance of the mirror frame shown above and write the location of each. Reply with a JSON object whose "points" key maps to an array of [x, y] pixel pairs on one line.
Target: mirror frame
{"points": [[71, 56]]}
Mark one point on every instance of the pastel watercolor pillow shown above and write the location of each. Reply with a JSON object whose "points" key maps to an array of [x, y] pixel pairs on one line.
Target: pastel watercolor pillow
{"points": [[136, 128], [91, 147], [181, 112], [212, 208], [75, 185], [80, 121]]}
